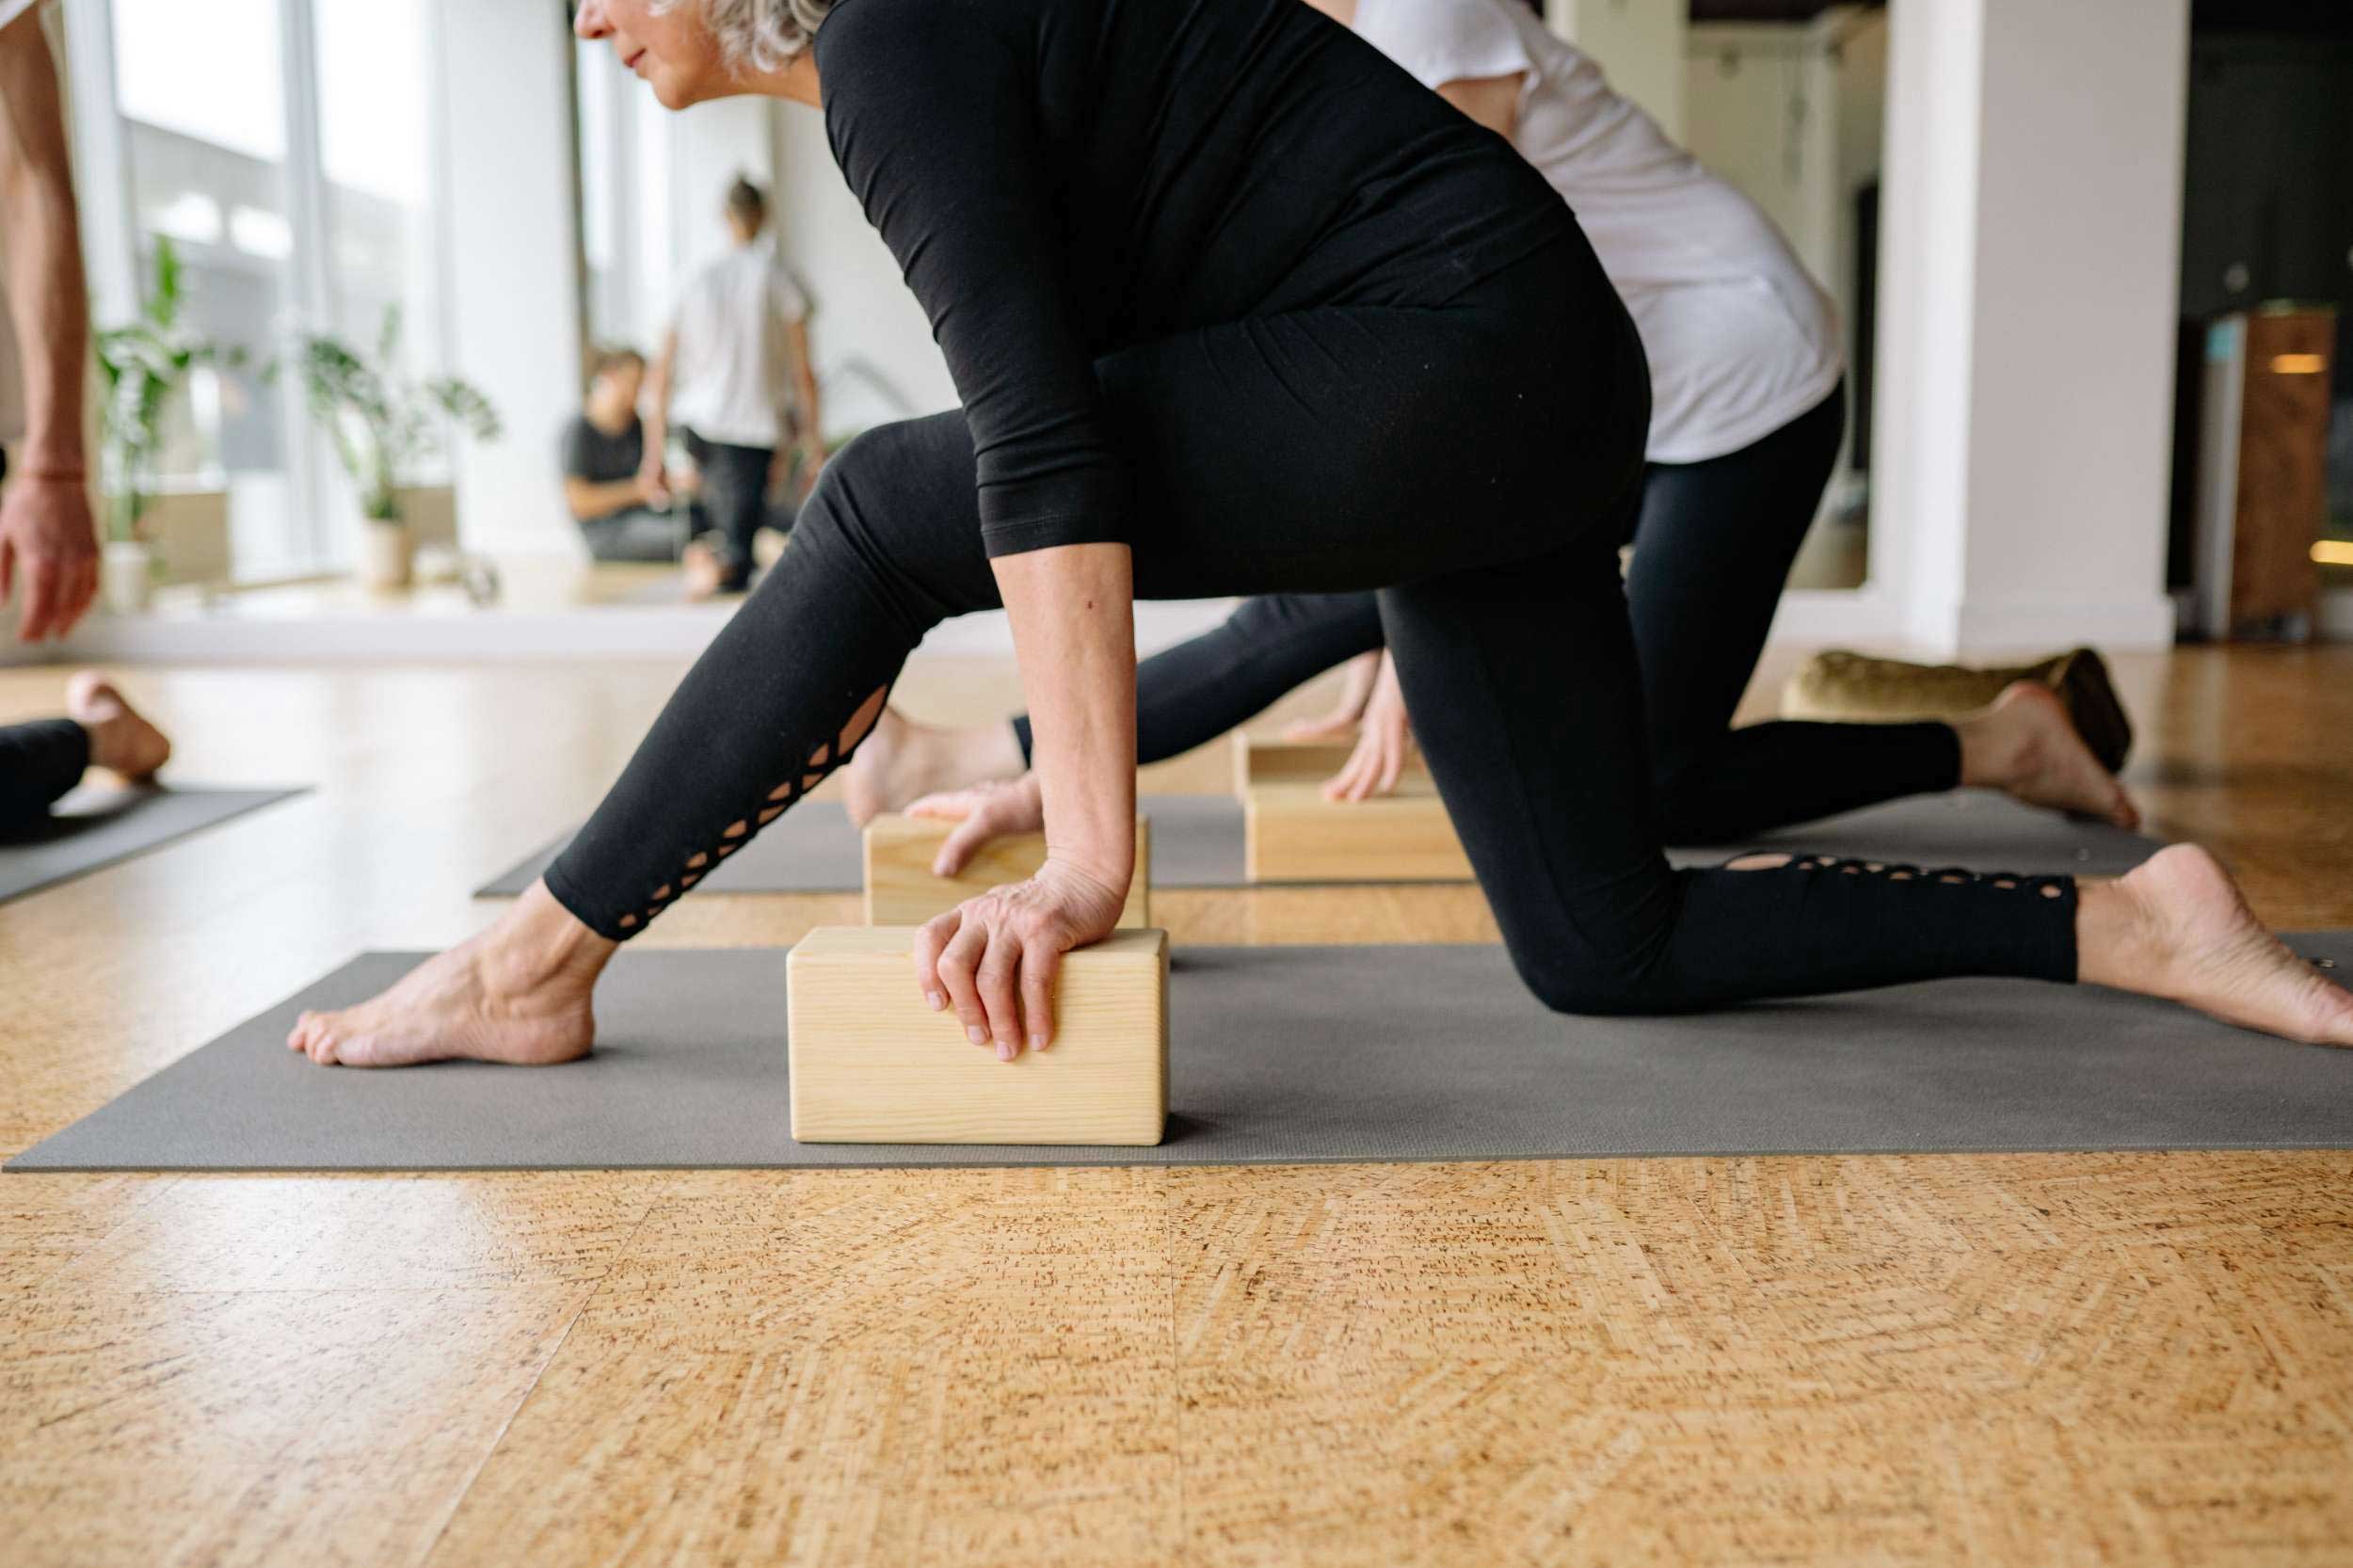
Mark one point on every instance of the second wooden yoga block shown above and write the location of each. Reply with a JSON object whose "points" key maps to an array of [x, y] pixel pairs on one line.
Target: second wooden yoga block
{"points": [[871, 1063], [902, 891], [1262, 761], [1295, 835]]}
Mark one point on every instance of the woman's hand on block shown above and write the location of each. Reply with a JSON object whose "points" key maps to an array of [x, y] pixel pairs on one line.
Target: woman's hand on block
{"points": [[994, 958]]}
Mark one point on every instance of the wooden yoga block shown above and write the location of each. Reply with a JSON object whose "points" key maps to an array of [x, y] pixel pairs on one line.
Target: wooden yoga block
{"points": [[872, 1064], [1295, 835], [902, 891], [1264, 761]]}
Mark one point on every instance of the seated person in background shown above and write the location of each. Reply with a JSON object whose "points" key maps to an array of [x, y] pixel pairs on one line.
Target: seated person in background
{"points": [[39, 762], [604, 454]]}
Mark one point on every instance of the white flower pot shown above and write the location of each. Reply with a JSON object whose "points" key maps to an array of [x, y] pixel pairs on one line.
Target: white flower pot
{"points": [[126, 576], [387, 551]]}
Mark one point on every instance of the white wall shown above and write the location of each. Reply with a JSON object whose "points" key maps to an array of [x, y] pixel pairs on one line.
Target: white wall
{"points": [[2029, 251], [865, 319], [1640, 44], [513, 288]]}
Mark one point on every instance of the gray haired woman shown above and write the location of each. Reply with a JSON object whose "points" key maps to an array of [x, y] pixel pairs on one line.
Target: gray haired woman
{"points": [[1234, 305]]}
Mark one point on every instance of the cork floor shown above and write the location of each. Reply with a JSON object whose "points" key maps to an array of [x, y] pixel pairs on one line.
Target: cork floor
{"points": [[2132, 1358]]}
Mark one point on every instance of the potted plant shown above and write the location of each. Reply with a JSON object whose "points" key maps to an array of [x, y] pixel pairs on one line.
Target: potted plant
{"points": [[143, 366], [382, 422]]}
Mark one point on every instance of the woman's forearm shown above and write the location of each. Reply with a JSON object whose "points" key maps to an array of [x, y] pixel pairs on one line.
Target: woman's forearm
{"points": [[44, 253], [1073, 611]]}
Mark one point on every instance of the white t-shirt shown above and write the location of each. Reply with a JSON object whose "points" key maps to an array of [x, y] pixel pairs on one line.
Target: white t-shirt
{"points": [[733, 372], [1740, 340], [11, 364]]}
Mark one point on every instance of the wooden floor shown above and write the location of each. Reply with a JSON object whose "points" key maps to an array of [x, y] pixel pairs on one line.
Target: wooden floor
{"points": [[2129, 1358]]}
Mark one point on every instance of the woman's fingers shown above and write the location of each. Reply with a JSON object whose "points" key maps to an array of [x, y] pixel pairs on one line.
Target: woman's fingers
{"points": [[931, 939], [1040, 963], [959, 971], [967, 838], [949, 805], [1000, 981]]}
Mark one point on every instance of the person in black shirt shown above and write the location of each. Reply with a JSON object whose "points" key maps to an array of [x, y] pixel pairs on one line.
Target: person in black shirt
{"points": [[1236, 306], [604, 450]]}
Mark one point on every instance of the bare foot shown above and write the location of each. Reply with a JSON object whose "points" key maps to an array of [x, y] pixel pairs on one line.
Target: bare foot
{"points": [[902, 761], [517, 994], [121, 739], [705, 573], [2027, 744], [2177, 928]]}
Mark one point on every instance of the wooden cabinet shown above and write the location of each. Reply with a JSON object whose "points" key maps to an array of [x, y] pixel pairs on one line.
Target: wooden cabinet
{"points": [[2263, 457]]}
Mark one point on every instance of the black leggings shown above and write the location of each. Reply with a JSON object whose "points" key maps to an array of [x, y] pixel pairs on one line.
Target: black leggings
{"points": [[1472, 459], [1712, 547], [38, 763], [734, 495]]}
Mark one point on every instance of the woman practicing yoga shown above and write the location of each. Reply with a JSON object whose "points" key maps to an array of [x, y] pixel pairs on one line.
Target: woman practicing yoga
{"points": [[1234, 306], [1747, 412]]}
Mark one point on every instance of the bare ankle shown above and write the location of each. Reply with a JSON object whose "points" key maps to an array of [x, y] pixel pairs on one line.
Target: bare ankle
{"points": [[540, 942], [2116, 944]]}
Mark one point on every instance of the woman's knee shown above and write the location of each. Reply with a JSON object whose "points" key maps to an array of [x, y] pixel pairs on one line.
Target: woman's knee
{"points": [[896, 507], [1603, 963]]}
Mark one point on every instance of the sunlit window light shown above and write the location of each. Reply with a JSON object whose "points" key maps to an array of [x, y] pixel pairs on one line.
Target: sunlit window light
{"points": [[261, 233]]}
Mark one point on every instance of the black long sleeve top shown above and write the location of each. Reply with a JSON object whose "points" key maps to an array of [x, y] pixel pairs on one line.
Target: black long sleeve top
{"points": [[1058, 179]]}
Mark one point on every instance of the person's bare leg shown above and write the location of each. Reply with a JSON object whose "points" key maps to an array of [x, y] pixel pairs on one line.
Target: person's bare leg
{"points": [[2027, 744], [517, 992], [2177, 928], [902, 761], [121, 738]]}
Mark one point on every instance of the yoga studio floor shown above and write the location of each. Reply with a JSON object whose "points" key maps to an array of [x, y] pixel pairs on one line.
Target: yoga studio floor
{"points": [[2130, 1358]]}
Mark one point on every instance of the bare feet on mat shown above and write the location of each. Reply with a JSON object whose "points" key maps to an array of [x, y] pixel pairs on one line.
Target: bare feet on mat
{"points": [[706, 574], [2027, 744], [2177, 928], [121, 739], [517, 994], [900, 762]]}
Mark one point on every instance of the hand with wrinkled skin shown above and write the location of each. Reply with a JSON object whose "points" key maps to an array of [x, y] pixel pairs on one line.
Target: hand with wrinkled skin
{"points": [[995, 959], [1385, 743], [982, 812]]}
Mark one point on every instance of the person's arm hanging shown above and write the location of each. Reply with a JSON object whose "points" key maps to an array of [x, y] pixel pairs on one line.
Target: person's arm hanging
{"points": [[933, 117], [652, 472], [47, 538]]}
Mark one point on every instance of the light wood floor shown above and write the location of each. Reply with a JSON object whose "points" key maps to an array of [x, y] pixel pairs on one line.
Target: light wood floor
{"points": [[2129, 1358]]}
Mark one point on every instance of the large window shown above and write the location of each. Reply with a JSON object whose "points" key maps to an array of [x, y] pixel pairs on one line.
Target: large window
{"points": [[284, 149]]}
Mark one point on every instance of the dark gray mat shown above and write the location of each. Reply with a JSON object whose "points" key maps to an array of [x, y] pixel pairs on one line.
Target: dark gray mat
{"points": [[1283, 1055], [98, 825], [1198, 842]]}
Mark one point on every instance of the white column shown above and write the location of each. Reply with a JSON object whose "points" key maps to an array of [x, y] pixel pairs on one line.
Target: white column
{"points": [[513, 289], [2029, 251], [1640, 44]]}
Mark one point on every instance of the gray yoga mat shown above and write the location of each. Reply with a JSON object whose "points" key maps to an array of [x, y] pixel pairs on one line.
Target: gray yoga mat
{"points": [[1198, 842], [96, 826], [1282, 1055]]}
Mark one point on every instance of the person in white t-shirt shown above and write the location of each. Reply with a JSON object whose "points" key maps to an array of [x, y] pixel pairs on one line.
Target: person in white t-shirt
{"points": [[1747, 412], [48, 541], [734, 379]]}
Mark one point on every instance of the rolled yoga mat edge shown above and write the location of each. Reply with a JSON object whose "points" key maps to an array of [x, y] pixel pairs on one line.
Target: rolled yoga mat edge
{"points": [[1282, 1056]]}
